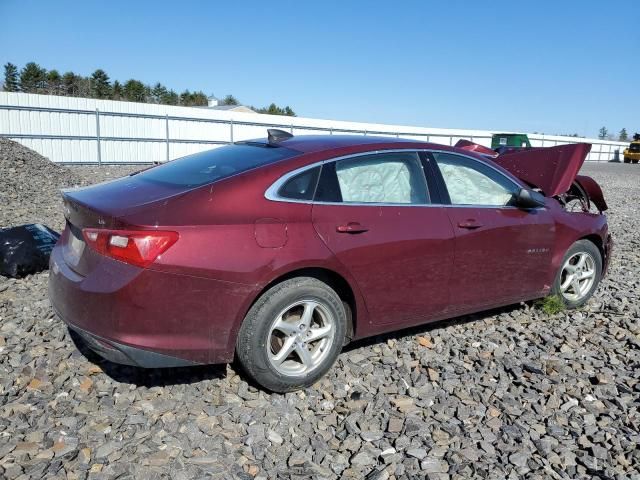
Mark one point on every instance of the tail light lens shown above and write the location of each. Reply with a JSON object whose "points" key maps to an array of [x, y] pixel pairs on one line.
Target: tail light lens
{"points": [[139, 248]]}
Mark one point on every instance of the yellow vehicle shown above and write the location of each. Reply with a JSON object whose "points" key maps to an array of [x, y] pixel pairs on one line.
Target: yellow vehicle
{"points": [[632, 154]]}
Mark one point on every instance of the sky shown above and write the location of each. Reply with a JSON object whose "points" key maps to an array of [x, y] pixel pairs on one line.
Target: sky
{"points": [[555, 67]]}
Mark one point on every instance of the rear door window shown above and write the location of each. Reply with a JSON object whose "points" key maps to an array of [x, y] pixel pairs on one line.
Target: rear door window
{"points": [[386, 178], [222, 162]]}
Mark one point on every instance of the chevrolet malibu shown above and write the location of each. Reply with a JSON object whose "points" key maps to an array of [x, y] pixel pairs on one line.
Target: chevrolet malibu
{"points": [[278, 252]]}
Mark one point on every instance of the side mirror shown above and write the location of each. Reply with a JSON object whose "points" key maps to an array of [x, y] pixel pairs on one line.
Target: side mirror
{"points": [[526, 198]]}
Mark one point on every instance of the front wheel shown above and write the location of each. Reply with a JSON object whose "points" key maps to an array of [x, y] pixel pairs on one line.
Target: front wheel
{"points": [[579, 274], [292, 335], [627, 160]]}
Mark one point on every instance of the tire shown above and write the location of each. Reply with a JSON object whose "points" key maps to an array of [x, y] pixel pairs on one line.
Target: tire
{"points": [[582, 249], [634, 161], [272, 327], [627, 160]]}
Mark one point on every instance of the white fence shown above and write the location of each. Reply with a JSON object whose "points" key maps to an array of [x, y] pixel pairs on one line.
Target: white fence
{"points": [[84, 130]]}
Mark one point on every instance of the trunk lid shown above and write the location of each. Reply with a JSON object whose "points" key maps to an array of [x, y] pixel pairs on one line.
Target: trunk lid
{"points": [[107, 205], [551, 169]]}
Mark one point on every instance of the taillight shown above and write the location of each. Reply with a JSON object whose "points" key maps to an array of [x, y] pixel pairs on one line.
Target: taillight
{"points": [[140, 247]]}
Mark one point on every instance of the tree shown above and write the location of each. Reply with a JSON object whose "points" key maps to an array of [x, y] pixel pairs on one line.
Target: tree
{"points": [[199, 99], [70, 84], [100, 85], [134, 91], [273, 109], [193, 99], [54, 82], [603, 133], [185, 98], [11, 83], [623, 137], [159, 93], [171, 98], [229, 100], [116, 91], [33, 78]]}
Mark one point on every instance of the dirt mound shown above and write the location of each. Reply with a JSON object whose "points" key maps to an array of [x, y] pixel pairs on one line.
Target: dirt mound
{"points": [[31, 186]]}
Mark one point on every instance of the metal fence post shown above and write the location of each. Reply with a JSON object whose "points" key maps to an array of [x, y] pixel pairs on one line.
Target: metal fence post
{"points": [[231, 129], [98, 136], [166, 131]]}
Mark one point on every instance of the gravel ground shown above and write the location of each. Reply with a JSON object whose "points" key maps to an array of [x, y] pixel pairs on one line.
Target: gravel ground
{"points": [[504, 394]]}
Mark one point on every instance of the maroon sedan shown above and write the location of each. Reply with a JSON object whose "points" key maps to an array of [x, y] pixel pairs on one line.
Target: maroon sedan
{"points": [[280, 251]]}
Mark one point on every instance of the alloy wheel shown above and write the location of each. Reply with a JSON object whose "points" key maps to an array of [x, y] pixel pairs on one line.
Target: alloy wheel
{"points": [[300, 337], [577, 276]]}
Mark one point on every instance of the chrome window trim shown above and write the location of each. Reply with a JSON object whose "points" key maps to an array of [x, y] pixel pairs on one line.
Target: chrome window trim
{"points": [[272, 192]]}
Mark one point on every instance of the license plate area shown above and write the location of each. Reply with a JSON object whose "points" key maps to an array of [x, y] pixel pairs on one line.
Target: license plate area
{"points": [[75, 246]]}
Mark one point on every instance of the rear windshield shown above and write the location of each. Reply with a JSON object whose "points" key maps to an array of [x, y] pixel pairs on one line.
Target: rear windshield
{"points": [[206, 167]]}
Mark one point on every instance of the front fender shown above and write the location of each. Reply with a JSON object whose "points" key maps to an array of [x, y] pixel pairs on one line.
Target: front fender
{"points": [[593, 190]]}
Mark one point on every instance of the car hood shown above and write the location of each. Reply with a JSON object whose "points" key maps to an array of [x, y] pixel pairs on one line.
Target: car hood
{"points": [[551, 169]]}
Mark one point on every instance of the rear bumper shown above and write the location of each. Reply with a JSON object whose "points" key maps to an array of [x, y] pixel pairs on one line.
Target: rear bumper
{"points": [[127, 355], [145, 317]]}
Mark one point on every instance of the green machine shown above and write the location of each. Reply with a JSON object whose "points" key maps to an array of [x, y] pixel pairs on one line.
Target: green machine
{"points": [[517, 140]]}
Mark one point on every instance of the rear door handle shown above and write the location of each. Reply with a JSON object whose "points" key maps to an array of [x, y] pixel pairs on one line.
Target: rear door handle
{"points": [[470, 224], [351, 227]]}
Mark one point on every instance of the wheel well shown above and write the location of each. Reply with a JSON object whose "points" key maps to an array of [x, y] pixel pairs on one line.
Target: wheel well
{"points": [[336, 281], [597, 241]]}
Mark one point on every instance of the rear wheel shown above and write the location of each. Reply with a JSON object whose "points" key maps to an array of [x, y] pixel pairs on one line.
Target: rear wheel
{"points": [[292, 335], [634, 160], [579, 274]]}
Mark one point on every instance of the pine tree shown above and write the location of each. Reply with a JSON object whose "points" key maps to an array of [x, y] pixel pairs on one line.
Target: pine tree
{"points": [[623, 136], [70, 84], [134, 91], [186, 98], [159, 93], [171, 98], [54, 82], [274, 109], [33, 78], [116, 91], [11, 83], [199, 99], [603, 133], [229, 100], [100, 86]]}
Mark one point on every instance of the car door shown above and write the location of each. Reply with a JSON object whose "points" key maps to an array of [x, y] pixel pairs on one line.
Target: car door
{"points": [[502, 253], [374, 213]]}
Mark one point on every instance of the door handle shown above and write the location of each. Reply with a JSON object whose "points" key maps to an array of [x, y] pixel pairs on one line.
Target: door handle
{"points": [[351, 227], [470, 224]]}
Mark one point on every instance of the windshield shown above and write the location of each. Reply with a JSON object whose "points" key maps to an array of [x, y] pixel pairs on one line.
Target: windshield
{"points": [[222, 162]]}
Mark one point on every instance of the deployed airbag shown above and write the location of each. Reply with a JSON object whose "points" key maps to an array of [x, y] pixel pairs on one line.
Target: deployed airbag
{"points": [[381, 180]]}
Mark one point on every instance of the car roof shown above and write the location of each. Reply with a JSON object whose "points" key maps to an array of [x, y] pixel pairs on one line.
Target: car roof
{"points": [[319, 143]]}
